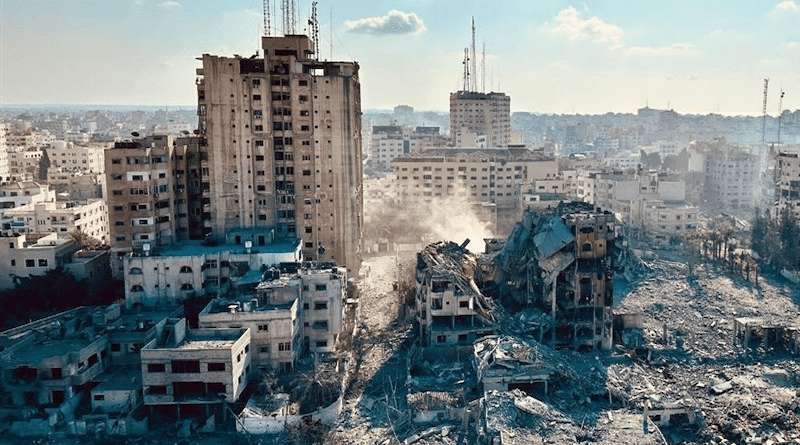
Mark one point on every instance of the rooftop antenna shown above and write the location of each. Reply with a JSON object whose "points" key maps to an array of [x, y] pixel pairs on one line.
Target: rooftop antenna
{"points": [[267, 24], [465, 87], [483, 69], [764, 114], [473, 68], [313, 23], [288, 9]]}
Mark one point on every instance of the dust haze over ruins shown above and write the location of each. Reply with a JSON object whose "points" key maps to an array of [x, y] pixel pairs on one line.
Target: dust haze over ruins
{"points": [[281, 263]]}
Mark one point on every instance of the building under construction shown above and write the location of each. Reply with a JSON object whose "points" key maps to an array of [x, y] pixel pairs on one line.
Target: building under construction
{"points": [[557, 266]]}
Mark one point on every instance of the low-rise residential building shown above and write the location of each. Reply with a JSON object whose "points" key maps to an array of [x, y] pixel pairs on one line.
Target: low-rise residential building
{"points": [[75, 185], [390, 141], [188, 372], [450, 309], [23, 164], [295, 309], [90, 218], [20, 259], [167, 275], [17, 194], [49, 364], [475, 175], [69, 155]]}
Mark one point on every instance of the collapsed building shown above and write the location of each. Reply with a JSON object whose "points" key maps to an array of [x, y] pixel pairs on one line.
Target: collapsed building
{"points": [[450, 307], [560, 261]]}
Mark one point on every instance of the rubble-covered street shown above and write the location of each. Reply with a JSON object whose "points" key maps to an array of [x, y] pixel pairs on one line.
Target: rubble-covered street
{"points": [[742, 396], [685, 369]]}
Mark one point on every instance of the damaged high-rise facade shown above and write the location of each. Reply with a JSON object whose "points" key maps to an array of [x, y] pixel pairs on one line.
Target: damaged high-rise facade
{"points": [[560, 262]]}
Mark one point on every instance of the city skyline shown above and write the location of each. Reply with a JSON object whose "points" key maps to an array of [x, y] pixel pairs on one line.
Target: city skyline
{"points": [[561, 57]]}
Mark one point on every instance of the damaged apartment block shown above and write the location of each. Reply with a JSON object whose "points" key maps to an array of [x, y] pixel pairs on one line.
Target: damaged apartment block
{"points": [[558, 263], [449, 306]]}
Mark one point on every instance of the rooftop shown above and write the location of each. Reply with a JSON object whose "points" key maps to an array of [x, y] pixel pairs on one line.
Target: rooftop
{"points": [[194, 248]]}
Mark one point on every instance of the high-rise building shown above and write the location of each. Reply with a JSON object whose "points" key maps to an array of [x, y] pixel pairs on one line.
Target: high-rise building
{"points": [[283, 152], [153, 193], [787, 188], [485, 114]]}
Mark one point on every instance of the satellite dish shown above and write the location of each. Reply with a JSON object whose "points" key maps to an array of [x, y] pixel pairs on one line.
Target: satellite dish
{"points": [[185, 132], [135, 134], [196, 131]]}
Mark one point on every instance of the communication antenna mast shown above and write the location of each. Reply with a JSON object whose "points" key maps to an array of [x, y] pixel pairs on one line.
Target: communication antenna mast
{"points": [[780, 113], [483, 69], [473, 68], [288, 9], [764, 114], [267, 23], [465, 87], [313, 22]]}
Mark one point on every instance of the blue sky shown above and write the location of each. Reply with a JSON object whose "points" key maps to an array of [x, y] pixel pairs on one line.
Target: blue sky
{"points": [[550, 57]]}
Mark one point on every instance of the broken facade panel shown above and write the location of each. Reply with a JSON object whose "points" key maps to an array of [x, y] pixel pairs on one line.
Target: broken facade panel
{"points": [[560, 261]]}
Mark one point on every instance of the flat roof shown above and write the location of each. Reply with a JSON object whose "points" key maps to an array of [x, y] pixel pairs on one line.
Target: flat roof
{"points": [[194, 247]]}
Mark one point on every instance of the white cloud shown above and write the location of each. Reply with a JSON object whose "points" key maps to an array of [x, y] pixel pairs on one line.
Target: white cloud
{"points": [[685, 49], [793, 45], [138, 2], [788, 5], [169, 5], [394, 22], [569, 23]]}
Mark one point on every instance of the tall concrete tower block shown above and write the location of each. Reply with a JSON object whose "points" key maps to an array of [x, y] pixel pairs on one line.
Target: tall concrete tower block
{"points": [[282, 148]]}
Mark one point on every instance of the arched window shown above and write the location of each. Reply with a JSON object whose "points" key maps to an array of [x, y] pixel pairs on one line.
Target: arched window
{"points": [[587, 247], [187, 286], [136, 288], [186, 269], [135, 271]]}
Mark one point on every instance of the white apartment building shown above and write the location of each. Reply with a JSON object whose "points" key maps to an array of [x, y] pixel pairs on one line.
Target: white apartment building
{"points": [[70, 156], [23, 164], [731, 177], [488, 176], [90, 218], [17, 194]]}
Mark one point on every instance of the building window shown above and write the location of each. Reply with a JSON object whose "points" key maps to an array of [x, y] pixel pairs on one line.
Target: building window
{"points": [[156, 367], [287, 346], [185, 366], [157, 389], [187, 286], [263, 327], [135, 271], [322, 344], [320, 305], [264, 349], [441, 338], [42, 262], [30, 263], [321, 287], [216, 366], [136, 288], [320, 325], [186, 269]]}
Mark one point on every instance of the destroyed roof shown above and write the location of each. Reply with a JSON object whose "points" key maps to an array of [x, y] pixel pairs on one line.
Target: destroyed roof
{"points": [[508, 355], [448, 259], [552, 237]]}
